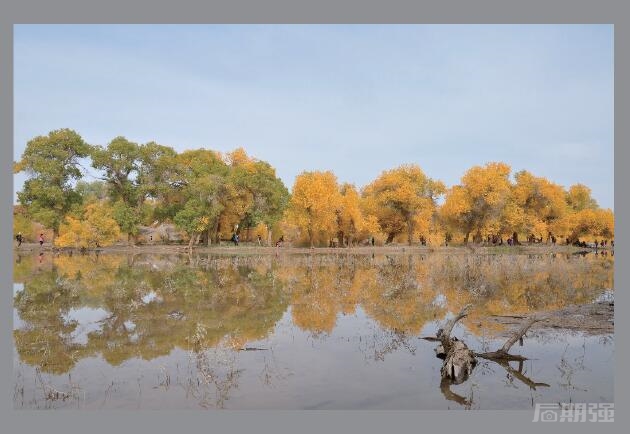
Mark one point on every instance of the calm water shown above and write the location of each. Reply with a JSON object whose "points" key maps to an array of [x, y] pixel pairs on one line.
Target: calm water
{"points": [[293, 331]]}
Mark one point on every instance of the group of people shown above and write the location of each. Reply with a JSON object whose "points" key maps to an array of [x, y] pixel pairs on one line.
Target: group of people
{"points": [[494, 240], [596, 244], [20, 239]]}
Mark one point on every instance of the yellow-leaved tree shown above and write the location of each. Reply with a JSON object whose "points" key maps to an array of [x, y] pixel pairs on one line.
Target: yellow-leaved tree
{"points": [[350, 221], [540, 204], [314, 202], [476, 205], [403, 200], [579, 198], [597, 224], [583, 217], [95, 228]]}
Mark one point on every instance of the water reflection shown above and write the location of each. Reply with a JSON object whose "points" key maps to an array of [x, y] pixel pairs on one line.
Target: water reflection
{"points": [[129, 308]]}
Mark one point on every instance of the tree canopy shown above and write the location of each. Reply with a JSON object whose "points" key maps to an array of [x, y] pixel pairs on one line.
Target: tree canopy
{"points": [[210, 195]]}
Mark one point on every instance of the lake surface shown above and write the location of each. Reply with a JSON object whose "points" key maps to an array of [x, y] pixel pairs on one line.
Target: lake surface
{"points": [[298, 331]]}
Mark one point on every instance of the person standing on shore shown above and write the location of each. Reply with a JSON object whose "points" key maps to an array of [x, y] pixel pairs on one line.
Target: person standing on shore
{"points": [[18, 238], [41, 240]]}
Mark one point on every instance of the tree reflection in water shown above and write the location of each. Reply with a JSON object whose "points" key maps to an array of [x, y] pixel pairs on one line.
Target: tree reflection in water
{"points": [[157, 303]]}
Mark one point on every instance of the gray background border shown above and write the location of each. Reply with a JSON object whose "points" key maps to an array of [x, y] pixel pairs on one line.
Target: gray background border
{"points": [[298, 11]]}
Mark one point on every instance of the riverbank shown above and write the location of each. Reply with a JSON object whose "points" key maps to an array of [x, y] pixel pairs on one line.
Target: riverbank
{"points": [[254, 249], [592, 319]]}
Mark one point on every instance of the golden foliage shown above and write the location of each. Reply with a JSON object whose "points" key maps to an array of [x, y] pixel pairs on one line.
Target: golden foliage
{"points": [[477, 203], [314, 203], [403, 199], [97, 228]]}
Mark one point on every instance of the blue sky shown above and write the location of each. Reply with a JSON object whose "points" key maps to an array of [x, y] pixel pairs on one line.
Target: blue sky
{"points": [[355, 99]]}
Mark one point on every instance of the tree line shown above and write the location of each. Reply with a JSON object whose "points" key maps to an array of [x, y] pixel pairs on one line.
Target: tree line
{"points": [[210, 196]]}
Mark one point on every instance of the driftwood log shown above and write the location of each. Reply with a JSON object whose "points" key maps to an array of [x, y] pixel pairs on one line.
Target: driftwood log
{"points": [[459, 360]]}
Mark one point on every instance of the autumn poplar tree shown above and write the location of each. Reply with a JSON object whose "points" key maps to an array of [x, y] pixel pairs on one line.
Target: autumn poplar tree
{"points": [[403, 199], [263, 195], [94, 227], [350, 220], [578, 197], [479, 200], [541, 203], [314, 202]]}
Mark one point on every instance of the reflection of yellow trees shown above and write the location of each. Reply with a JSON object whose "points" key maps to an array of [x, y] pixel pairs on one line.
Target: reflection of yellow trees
{"points": [[401, 292], [316, 297], [157, 303], [397, 296], [321, 288], [522, 284]]}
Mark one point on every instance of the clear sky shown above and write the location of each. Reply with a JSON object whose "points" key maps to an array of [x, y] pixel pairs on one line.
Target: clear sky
{"points": [[355, 99]]}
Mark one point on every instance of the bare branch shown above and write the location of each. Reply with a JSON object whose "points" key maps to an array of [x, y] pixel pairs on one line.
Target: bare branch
{"points": [[445, 332], [519, 334]]}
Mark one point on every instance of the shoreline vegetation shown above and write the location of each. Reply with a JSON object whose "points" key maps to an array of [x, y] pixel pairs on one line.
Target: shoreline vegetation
{"points": [[229, 248], [146, 193]]}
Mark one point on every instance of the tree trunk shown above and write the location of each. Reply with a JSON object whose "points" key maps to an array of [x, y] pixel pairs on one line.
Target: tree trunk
{"points": [[459, 360], [340, 237], [191, 241], [217, 228], [515, 239], [55, 235], [390, 238], [269, 238], [410, 233], [466, 237]]}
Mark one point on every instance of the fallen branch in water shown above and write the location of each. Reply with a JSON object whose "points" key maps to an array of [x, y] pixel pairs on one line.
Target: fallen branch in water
{"points": [[459, 360], [503, 353]]}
